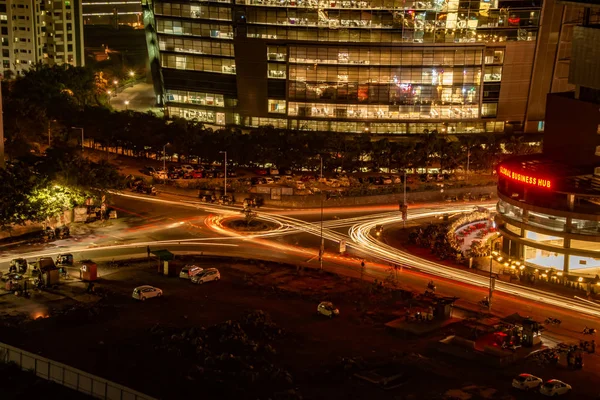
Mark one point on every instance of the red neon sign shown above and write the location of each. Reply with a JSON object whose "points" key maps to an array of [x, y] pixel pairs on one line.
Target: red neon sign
{"points": [[527, 179]]}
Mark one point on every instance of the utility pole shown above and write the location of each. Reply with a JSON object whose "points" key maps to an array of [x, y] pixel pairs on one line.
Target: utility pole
{"points": [[322, 248], [491, 282], [2, 160], [405, 203], [225, 174]]}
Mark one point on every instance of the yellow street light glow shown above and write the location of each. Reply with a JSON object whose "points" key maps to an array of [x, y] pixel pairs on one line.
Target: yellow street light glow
{"points": [[580, 279], [522, 267], [115, 81], [537, 270], [500, 259], [518, 263], [506, 264], [512, 267], [109, 92], [131, 73], [559, 273], [544, 275]]}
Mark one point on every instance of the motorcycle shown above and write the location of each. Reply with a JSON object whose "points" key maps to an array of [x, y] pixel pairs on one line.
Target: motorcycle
{"points": [[485, 303], [589, 331], [553, 321], [431, 286]]}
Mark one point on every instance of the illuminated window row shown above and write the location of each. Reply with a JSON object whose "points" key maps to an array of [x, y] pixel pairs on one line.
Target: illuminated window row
{"points": [[216, 31], [380, 94], [198, 98], [415, 5], [277, 53], [212, 117], [383, 56], [391, 36], [358, 111], [379, 75], [403, 19], [198, 46], [198, 63], [193, 11], [277, 106], [276, 71]]}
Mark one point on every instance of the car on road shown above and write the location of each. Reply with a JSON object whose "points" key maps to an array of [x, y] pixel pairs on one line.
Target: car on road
{"points": [[327, 309], [554, 387], [190, 270], [526, 382], [300, 185], [193, 175], [209, 274], [269, 181], [146, 292]]}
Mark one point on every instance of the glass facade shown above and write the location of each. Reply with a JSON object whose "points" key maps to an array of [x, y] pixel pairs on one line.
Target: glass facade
{"points": [[382, 66]]}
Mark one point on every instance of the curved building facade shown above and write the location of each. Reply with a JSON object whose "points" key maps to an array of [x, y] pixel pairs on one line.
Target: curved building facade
{"points": [[380, 66], [549, 215]]}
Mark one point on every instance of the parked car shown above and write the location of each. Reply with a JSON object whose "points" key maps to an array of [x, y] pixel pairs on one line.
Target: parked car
{"points": [[396, 179], [190, 270], [287, 171], [334, 183], [526, 382], [268, 181], [148, 170], [146, 292], [209, 274], [162, 175], [375, 180], [187, 168], [193, 175], [300, 185], [273, 171], [554, 387], [231, 173], [327, 309], [198, 167], [386, 180]]}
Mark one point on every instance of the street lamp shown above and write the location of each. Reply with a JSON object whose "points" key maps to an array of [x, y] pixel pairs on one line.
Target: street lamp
{"points": [[225, 174], [76, 127], [109, 94], [131, 74], [116, 82], [322, 248], [126, 105], [165, 161]]}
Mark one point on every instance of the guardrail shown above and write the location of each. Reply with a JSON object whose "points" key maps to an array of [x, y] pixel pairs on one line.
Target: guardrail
{"points": [[68, 376]]}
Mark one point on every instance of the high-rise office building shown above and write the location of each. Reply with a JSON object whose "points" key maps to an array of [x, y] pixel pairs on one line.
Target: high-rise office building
{"points": [[381, 66], [33, 31]]}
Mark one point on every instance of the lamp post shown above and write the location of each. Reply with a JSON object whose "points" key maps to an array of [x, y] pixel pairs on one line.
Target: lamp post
{"points": [[126, 105], [76, 127], [109, 95], [225, 174], [322, 248], [116, 82], [131, 74], [405, 203], [165, 161]]}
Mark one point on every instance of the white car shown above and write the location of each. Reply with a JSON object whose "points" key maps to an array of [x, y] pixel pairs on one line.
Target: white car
{"points": [[190, 270], [273, 171], [526, 382], [209, 274], [554, 387], [187, 168], [300, 185], [327, 309], [145, 292], [269, 181]]}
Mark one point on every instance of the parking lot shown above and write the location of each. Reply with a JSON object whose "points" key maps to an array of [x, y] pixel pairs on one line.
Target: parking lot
{"points": [[110, 333]]}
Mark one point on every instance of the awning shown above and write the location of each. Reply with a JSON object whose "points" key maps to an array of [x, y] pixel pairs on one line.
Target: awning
{"points": [[163, 255]]}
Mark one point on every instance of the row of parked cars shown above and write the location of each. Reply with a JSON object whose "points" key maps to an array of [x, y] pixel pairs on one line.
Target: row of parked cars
{"points": [[186, 172], [194, 273], [553, 387]]}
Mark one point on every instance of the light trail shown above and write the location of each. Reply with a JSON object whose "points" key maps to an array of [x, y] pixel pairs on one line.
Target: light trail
{"points": [[362, 238]]}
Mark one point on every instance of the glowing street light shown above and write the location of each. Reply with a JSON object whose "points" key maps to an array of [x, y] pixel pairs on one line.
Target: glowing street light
{"points": [[126, 104], [109, 93]]}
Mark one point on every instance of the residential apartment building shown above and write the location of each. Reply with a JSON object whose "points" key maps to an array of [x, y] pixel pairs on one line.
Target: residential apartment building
{"points": [[33, 31], [380, 66]]}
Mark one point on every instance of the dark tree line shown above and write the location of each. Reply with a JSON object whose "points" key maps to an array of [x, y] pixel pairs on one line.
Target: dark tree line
{"points": [[51, 100]]}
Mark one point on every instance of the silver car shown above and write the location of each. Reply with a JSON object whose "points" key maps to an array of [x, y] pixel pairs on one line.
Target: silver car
{"points": [[209, 274], [145, 292]]}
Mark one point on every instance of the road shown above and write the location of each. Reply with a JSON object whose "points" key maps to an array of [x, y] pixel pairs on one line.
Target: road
{"points": [[187, 227]]}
